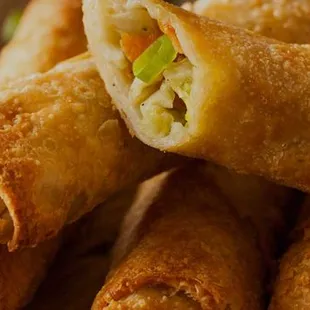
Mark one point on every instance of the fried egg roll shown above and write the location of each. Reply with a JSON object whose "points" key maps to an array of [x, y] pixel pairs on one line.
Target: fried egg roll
{"points": [[292, 286], [64, 150], [285, 20], [183, 246], [49, 32], [202, 88]]}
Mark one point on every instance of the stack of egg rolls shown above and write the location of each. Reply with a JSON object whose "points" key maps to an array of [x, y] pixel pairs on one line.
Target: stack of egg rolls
{"points": [[292, 286], [244, 97], [22, 271], [183, 245]]}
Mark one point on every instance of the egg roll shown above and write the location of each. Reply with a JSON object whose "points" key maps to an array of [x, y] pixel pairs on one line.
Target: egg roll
{"points": [[64, 150], [182, 246], [49, 32], [229, 96], [21, 272], [286, 20], [292, 286]]}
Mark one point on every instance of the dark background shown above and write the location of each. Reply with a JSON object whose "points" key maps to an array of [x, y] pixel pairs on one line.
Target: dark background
{"points": [[7, 5]]}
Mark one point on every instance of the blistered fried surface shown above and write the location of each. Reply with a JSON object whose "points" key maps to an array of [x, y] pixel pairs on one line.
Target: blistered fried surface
{"points": [[188, 239], [64, 149]]}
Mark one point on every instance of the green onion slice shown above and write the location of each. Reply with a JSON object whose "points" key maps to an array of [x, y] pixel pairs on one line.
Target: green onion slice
{"points": [[154, 60], [10, 24]]}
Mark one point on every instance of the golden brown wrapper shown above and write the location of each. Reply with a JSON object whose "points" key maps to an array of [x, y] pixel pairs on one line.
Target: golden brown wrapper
{"points": [[285, 20], [266, 208], [50, 31], [292, 285], [22, 271], [64, 150], [183, 240], [250, 94]]}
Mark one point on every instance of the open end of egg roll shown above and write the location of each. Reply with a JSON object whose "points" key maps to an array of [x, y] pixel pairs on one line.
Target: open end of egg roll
{"points": [[162, 108]]}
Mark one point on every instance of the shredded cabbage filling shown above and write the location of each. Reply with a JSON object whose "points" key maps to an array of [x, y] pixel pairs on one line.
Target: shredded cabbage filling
{"points": [[161, 75]]}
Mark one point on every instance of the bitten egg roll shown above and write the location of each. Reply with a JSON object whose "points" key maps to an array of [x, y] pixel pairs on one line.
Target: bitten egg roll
{"points": [[64, 149], [292, 287], [205, 89], [182, 246], [285, 20], [50, 31]]}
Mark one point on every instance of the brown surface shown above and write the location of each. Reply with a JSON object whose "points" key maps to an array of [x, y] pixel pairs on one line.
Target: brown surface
{"points": [[185, 237], [49, 32], [243, 120]]}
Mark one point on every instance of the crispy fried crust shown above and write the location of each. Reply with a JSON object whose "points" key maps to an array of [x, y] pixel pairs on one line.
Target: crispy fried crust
{"points": [[285, 20], [50, 31], [292, 286], [251, 97], [64, 149], [186, 238]]}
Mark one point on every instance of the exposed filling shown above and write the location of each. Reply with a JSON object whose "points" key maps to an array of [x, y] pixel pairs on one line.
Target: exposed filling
{"points": [[159, 74], [155, 298]]}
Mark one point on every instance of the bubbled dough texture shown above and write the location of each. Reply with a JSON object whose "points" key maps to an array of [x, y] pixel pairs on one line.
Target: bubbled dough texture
{"points": [[193, 243], [64, 149]]}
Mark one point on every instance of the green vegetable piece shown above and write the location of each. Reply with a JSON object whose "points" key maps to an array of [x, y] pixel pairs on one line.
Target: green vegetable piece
{"points": [[10, 24], [154, 60]]}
